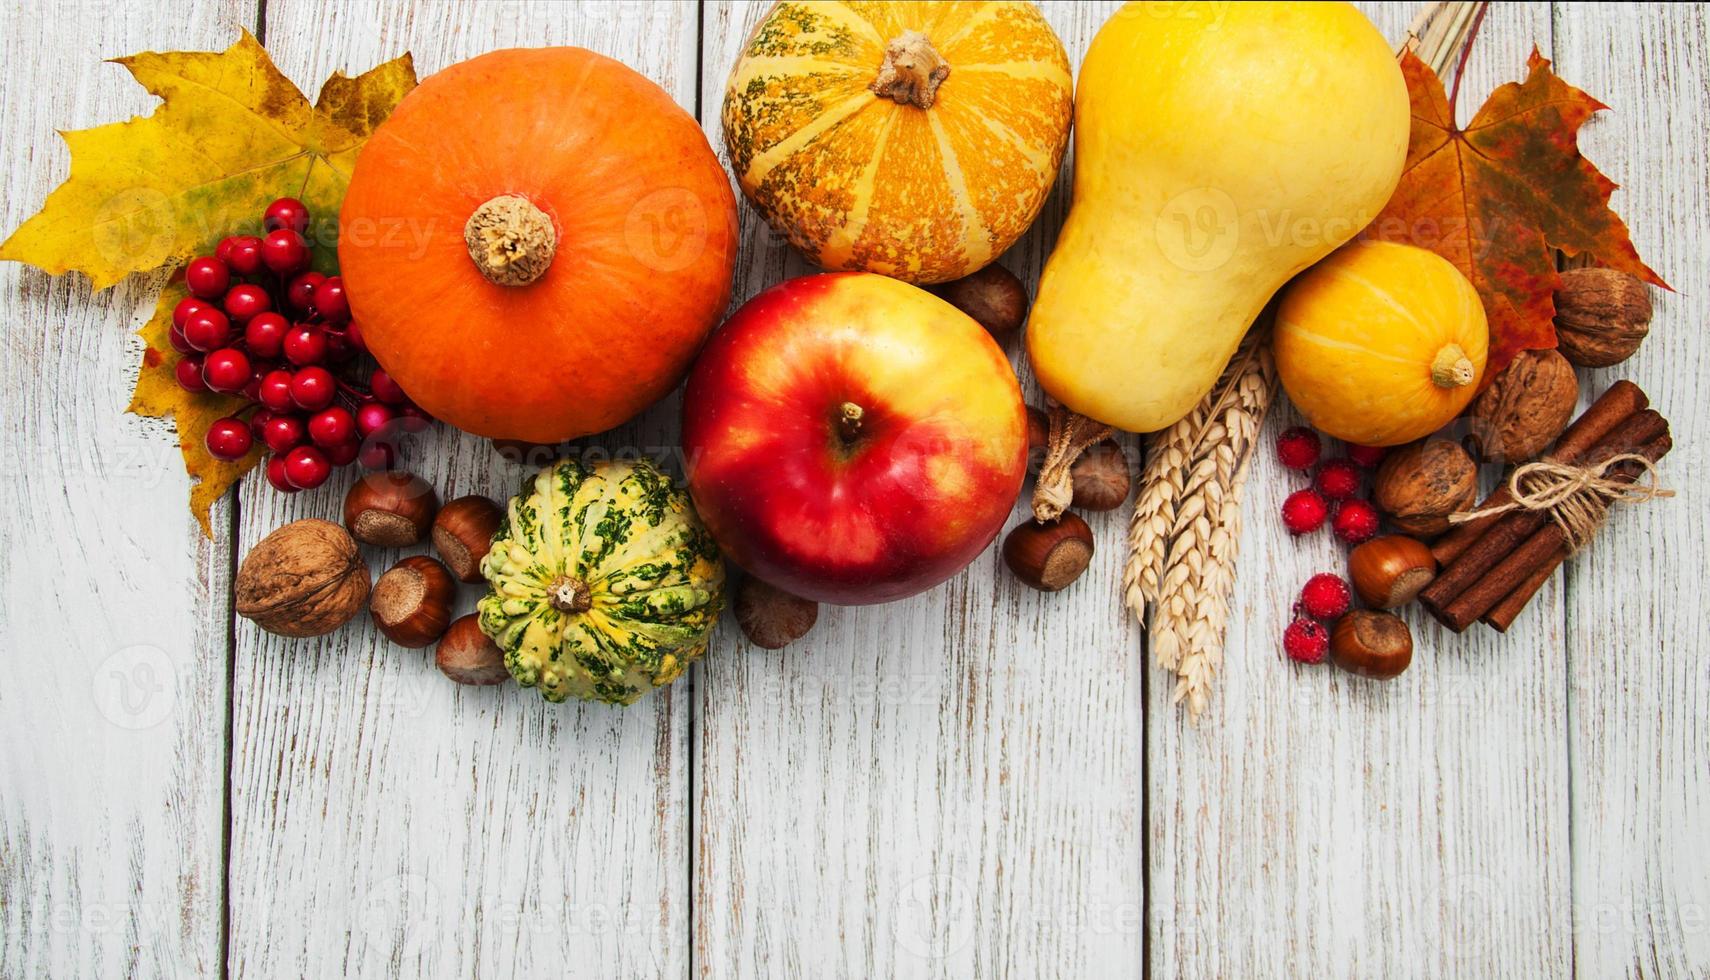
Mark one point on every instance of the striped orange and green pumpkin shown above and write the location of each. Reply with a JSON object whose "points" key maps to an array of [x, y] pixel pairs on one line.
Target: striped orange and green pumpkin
{"points": [[604, 583], [917, 140]]}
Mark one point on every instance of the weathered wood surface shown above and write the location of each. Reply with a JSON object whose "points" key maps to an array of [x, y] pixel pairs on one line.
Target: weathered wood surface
{"points": [[977, 782]]}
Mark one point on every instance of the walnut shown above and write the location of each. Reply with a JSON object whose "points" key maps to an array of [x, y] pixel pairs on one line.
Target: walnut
{"points": [[1602, 316], [304, 579], [1525, 408], [1421, 484]]}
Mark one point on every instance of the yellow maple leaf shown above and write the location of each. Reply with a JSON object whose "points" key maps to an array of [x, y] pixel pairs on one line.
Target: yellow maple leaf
{"points": [[231, 135]]}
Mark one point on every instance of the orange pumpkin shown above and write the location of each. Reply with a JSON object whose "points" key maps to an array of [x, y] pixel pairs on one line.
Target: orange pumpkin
{"points": [[914, 139], [536, 243]]}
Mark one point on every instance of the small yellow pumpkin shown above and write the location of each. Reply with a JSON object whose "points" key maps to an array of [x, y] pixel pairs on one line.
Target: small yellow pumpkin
{"points": [[1381, 343], [916, 140]]}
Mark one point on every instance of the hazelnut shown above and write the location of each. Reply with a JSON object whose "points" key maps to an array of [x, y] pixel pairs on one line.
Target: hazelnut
{"points": [[1421, 484], [1389, 571], [993, 297], [1371, 644], [1101, 477], [463, 532], [411, 602], [1602, 316], [770, 617], [1525, 408], [392, 509], [1049, 556], [469, 656], [304, 579]]}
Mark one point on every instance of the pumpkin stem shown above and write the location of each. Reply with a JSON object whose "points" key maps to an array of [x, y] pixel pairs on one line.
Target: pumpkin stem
{"points": [[912, 71], [849, 417], [1452, 368], [510, 240], [570, 595]]}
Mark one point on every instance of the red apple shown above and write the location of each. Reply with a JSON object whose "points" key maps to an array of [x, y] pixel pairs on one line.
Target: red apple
{"points": [[853, 439]]}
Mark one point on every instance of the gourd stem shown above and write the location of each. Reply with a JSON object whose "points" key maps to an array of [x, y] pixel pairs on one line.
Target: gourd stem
{"points": [[571, 595], [912, 71], [1452, 368], [510, 240], [849, 417]]}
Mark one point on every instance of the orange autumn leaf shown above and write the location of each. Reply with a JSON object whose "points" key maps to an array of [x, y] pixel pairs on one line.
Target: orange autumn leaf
{"points": [[1497, 197]]}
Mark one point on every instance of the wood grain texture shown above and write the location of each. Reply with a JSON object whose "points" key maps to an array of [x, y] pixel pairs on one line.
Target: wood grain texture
{"points": [[113, 606], [1319, 824], [945, 786], [386, 821], [1637, 643]]}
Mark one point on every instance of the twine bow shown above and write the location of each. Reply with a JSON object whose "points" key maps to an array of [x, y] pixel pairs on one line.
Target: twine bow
{"points": [[1576, 498]]}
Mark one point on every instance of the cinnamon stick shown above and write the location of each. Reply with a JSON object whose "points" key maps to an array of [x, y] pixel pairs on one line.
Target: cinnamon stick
{"points": [[1479, 560], [1547, 545], [1502, 615], [1614, 406]]}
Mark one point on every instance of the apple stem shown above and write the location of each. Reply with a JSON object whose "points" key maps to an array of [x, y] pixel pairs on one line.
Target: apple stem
{"points": [[849, 421]]}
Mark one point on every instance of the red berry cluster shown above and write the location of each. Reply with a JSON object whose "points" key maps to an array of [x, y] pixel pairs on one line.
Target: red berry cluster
{"points": [[1325, 598], [259, 323], [1335, 487]]}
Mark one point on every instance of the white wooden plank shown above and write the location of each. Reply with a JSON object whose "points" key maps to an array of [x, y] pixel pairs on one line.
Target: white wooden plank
{"points": [[112, 604], [386, 822], [945, 786], [1637, 640], [1319, 824]]}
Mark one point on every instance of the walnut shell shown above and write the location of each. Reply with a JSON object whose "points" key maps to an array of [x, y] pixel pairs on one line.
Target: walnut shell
{"points": [[1421, 484], [1525, 408], [1602, 316], [304, 579]]}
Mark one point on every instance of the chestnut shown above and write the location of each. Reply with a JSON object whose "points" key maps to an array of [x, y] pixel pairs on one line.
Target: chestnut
{"points": [[1049, 556], [411, 602], [993, 297], [463, 532], [770, 617], [1371, 644], [1101, 477], [1389, 571], [391, 510], [469, 656]]}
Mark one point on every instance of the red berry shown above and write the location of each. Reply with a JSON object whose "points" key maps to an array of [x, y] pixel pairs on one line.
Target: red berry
{"points": [[1325, 596], [207, 329], [223, 251], [313, 388], [300, 293], [1356, 521], [1304, 511], [275, 391], [307, 467], [1298, 448], [189, 371], [265, 334], [332, 426], [276, 475], [371, 417], [286, 212], [1338, 479], [244, 255], [353, 337], [377, 455], [207, 277], [257, 371], [258, 423], [384, 389], [285, 252], [229, 438], [226, 370], [186, 306], [1306, 641], [175, 337], [344, 453], [244, 301], [338, 346], [1367, 456], [282, 432], [330, 302], [305, 344]]}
